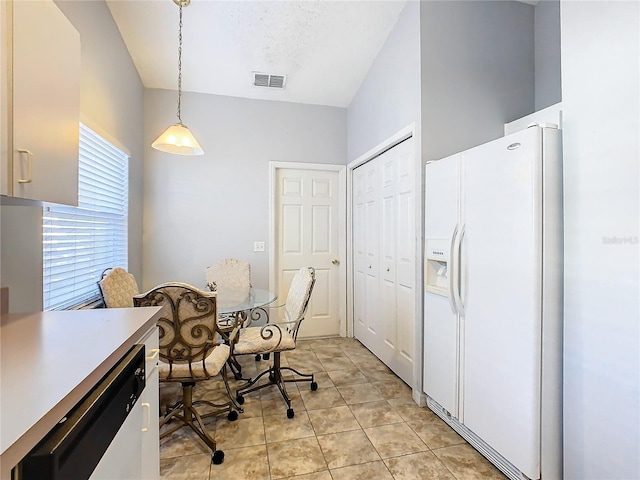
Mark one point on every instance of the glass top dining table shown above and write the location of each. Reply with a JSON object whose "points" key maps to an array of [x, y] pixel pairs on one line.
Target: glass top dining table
{"points": [[233, 301]]}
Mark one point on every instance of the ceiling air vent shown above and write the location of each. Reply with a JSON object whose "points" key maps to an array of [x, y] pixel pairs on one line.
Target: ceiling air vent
{"points": [[267, 80]]}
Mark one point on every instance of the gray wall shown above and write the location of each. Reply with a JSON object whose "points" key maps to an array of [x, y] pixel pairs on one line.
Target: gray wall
{"points": [[477, 72], [547, 53], [387, 101], [601, 121], [112, 103], [389, 97], [459, 71], [201, 209], [21, 256]]}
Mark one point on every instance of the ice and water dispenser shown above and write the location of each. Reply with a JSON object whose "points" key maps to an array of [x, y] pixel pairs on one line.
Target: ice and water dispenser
{"points": [[436, 266]]}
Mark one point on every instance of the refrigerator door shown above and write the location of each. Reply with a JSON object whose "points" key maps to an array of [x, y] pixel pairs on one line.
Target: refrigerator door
{"points": [[501, 293], [440, 321]]}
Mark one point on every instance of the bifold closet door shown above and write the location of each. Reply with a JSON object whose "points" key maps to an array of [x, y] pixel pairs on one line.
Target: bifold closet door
{"points": [[367, 316], [384, 257], [405, 259], [359, 255], [388, 216]]}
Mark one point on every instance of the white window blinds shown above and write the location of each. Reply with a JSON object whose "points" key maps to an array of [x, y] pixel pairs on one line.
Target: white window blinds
{"points": [[79, 243]]}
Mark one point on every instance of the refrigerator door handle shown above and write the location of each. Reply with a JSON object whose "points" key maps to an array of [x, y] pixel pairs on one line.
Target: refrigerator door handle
{"points": [[452, 270], [458, 271]]}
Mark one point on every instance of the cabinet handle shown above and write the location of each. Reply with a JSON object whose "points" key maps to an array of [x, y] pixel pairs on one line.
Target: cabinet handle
{"points": [[29, 161], [387, 269], [148, 407], [154, 355], [335, 261]]}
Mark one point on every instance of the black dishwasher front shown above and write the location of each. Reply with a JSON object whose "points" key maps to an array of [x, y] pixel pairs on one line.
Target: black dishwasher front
{"points": [[75, 446]]}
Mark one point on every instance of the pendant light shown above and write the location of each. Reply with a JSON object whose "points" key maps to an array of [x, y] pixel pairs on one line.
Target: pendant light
{"points": [[177, 138]]}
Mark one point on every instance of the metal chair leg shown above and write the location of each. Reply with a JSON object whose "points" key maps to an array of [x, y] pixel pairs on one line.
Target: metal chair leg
{"points": [[275, 378], [187, 415]]}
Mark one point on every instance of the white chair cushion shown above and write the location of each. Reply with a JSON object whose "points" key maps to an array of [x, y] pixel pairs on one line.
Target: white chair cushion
{"points": [[250, 341], [212, 366], [118, 288], [298, 295]]}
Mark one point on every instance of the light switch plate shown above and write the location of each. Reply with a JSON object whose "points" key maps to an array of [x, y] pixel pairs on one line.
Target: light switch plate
{"points": [[258, 246]]}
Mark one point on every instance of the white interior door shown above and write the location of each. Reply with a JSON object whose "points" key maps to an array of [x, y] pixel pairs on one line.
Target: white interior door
{"points": [[307, 233]]}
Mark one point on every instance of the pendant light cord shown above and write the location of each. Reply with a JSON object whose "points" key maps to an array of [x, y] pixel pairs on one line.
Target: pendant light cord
{"points": [[179, 65], [177, 139]]}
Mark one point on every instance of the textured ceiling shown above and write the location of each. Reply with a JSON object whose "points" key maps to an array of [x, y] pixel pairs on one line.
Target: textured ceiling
{"points": [[325, 47]]}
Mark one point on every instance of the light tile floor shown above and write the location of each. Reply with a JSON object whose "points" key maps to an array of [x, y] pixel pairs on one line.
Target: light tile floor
{"points": [[361, 423]]}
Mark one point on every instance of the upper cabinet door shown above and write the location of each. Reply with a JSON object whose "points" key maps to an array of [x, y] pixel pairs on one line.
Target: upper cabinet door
{"points": [[45, 103]]}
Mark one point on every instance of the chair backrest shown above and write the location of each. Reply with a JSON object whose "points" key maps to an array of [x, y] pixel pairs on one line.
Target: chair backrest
{"points": [[229, 274], [117, 288], [187, 325], [298, 298]]}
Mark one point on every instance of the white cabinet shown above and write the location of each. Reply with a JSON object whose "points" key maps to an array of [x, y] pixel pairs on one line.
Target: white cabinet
{"points": [[149, 401], [41, 85], [384, 257]]}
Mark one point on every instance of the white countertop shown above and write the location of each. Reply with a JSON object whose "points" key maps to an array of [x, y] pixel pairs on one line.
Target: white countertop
{"points": [[50, 360]]}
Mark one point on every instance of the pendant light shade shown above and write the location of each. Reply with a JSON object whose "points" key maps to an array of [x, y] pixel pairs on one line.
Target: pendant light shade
{"points": [[177, 139]]}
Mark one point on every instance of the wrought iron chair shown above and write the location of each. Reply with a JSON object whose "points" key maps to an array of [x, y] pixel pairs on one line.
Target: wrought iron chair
{"points": [[229, 273], [190, 352], [117, 288], [232, 278], [276, 338]]}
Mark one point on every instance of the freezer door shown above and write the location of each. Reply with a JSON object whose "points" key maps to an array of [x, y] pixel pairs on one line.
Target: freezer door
{"points": [[440, 373], [442, 189], [501, 248]]}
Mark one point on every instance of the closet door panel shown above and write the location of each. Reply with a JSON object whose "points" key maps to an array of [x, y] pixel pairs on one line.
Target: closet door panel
{"points": [[372, 250], [405, 325], [405, 259], [359, 254], [388, 215]]}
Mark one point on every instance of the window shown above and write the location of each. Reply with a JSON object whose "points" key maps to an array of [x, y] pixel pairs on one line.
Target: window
{"points": [[79, 243]]}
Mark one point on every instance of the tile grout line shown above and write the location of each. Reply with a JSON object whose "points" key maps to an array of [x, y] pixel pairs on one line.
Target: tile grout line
{"points": [[362, 428], [392, 393]]}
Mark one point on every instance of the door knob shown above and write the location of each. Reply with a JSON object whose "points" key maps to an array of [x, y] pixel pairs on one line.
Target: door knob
{"points": [[335, 261]]}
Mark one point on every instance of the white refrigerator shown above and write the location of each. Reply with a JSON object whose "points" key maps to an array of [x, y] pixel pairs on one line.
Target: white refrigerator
{"points": [[493, 299]]}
